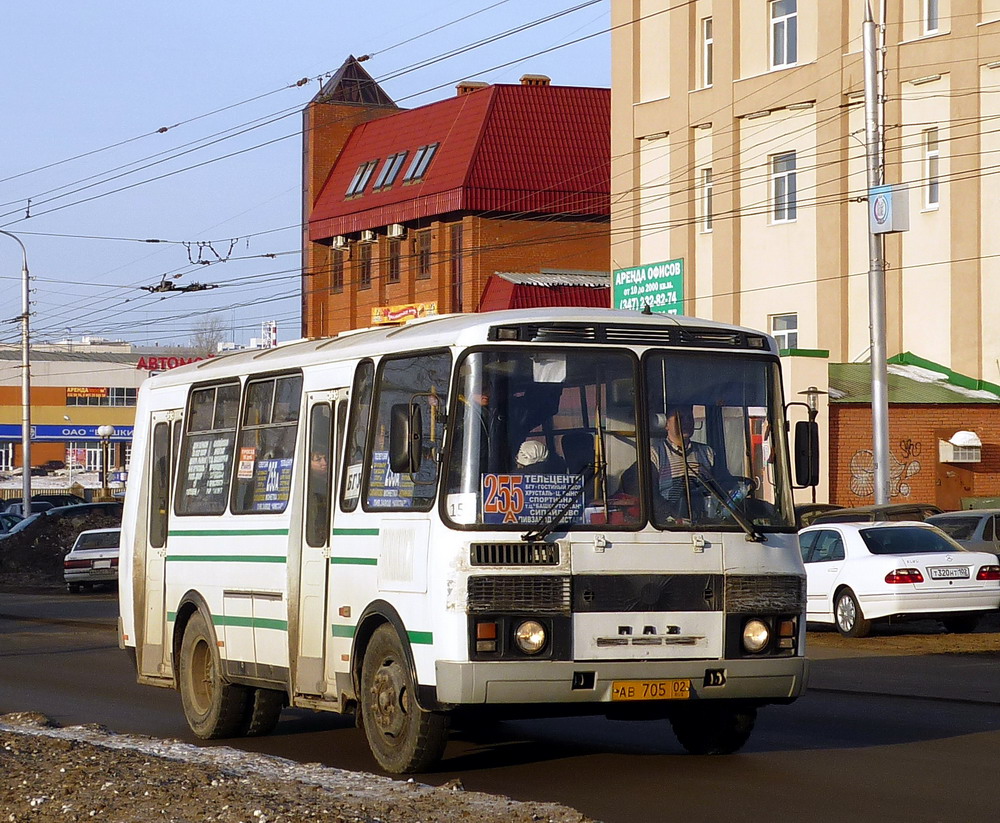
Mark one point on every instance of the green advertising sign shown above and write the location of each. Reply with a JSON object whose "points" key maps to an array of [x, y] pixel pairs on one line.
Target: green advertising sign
{"points": [[657, 285]]}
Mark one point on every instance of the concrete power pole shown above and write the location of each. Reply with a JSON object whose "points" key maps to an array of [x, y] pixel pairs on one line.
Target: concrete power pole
{"points": [[874, 57]]}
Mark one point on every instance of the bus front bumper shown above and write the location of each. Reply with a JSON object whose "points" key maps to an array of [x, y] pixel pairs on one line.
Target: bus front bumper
{"points": [[555, 681]]}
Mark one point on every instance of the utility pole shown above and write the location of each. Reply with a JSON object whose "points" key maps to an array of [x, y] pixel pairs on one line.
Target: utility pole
{"points": [[25, 378], [874, 58]]}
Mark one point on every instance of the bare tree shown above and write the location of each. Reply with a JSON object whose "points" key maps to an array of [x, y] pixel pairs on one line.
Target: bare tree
{"points": [[208, 334]]}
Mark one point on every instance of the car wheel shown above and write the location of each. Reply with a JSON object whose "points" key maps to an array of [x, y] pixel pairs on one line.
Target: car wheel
{"points": [[213, 707], [402, 736], [73, 588], [850, 619], [714, 727], [263, 709], [961, 623]]}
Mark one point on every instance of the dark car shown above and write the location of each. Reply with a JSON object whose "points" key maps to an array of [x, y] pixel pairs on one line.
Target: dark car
{"points": [[41, 502], [806, 513], [8, 520], [879, 514], [112, 509], [977, 530]]}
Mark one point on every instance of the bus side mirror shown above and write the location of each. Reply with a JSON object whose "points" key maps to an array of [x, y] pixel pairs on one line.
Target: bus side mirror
{"points": [[806, 453], [405, 437]]}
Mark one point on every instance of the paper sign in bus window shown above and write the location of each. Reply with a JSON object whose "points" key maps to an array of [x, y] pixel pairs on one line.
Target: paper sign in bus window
{"points": [[531, 498]]}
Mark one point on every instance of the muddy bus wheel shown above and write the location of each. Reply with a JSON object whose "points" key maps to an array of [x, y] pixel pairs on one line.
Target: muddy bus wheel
{"points": [[263, 709], [213, 707], [403, 737], [713, 727]]}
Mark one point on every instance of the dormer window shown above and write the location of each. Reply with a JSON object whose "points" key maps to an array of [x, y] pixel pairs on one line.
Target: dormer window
{"points": [[421, 160], [390, 171], [361, 178]]}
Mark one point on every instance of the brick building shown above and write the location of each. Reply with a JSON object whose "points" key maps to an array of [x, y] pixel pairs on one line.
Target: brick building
{"points": [[413, 211]]}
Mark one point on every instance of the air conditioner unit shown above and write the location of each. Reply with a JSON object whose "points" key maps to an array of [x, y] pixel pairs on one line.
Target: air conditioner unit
{"points": [[340, 242], [368, 236], [396, 231]]}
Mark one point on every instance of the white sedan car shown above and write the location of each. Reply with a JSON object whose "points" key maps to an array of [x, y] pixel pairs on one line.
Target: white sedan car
{"points": [[857, 573], [92, 560]]}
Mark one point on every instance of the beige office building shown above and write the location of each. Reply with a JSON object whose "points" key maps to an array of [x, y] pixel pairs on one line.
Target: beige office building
{"points": [[738, 146]]}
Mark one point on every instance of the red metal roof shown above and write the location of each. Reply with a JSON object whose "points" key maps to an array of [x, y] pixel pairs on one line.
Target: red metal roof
{"points": [[506, 148], [500, 293]]}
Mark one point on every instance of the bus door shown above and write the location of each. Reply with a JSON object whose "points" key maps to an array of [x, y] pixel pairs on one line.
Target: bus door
{"points": [[154, 650], [327, 413]]}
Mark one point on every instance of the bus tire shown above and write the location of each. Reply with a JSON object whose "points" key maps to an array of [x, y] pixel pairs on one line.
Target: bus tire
{"points": [[714, 727], [403, 737], [213, 707], [263, 709]]}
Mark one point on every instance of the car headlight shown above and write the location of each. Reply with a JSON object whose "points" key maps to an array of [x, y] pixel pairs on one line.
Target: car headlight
{"points": [[530, 637], [756, 635]]}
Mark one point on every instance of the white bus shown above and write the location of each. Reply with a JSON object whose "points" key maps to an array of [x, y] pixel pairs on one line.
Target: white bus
{"points": [[523, 513]]}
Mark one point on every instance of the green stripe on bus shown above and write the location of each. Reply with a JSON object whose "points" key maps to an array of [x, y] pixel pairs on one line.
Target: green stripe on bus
{"points": [[250, 622], [227, 532], [354, 561], [417, 638], [355, 532], [225, 558]]}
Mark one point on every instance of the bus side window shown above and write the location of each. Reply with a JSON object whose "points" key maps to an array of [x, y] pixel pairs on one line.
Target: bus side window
{"points": [[267, 445], [159, 503], [209, 437], [318, 477], [420, 381], [357, 436]]}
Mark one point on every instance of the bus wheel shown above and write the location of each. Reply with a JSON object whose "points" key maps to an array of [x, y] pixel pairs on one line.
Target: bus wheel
{"points": [[213, 707], [263, 709], [402, 736], [713, 728]]}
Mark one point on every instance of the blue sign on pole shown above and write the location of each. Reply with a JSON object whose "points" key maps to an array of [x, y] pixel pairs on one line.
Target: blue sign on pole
{"points": [[12, 431]]}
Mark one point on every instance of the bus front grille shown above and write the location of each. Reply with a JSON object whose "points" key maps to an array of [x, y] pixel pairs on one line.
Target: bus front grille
{"points": [[519, 593], [514, 554], [765, 594]]}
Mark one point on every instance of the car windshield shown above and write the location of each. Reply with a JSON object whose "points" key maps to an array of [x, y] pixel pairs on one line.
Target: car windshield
{"points": [[716, 455], [97, 540], [908, 540], [960, 528], [21, 525], [543, 437]]}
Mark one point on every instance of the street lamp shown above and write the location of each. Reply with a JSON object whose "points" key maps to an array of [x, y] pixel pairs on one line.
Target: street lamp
{"points": [[105, 433], [812, 401], [25, 380]]}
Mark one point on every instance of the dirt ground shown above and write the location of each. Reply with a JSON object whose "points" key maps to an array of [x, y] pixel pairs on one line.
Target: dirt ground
{"points": [[83, 773]]}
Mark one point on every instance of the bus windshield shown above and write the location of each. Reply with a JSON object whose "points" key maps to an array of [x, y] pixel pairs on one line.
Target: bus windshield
{"points": [[547, 438]]}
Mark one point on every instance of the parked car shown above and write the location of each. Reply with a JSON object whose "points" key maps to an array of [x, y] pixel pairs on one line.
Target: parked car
{"points": [[805, 513], [858, 573], [8, 520], [93, 559], [975, 529], [41, 502], [112, 509], [36, 506], [877, 514]]}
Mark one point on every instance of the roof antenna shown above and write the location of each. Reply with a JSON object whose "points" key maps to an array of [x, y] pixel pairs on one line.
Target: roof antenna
{"points": [[646, 309]]}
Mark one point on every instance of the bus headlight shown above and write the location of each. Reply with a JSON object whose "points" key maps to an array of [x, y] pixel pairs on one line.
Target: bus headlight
{"points": [[530, 637], [756, 635]]}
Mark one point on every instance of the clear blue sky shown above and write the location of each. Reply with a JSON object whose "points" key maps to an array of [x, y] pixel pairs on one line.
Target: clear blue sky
{"points": [[83, 76]]}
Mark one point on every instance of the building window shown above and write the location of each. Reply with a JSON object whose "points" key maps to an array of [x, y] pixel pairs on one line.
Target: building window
{"points": [[706, 200], [6, 457], [361, 178], [422, 253], [421, 160], [783, 188], [784, 33], [707, 45], [932, 169], [101, 396], [932, 17], [457, 285], [364, 265], [785, 330], [390, 171], [336, 270], [392, 262]]}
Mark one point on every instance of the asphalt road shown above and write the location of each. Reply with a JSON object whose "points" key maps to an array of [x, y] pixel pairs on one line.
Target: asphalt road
{"points": [[851, 749]]}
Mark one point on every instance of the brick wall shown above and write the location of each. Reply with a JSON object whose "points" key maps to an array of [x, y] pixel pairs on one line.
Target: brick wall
{"points": [[916, 474]]}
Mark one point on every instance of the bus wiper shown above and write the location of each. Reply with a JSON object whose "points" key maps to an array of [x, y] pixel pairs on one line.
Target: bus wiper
{"points": [[709, 484], [546, 524]]}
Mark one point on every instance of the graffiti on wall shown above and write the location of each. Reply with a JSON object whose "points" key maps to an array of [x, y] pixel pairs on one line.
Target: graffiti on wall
{"points": [[900, 470]]}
